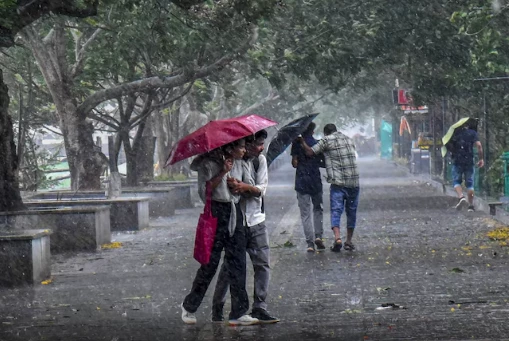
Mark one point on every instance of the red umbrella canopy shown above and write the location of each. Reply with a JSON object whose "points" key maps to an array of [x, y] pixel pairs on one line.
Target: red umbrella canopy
{"points": [[216, 134]]}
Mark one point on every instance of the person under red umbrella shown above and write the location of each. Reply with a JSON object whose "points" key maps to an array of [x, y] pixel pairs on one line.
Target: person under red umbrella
{"points": [[215, 169]]}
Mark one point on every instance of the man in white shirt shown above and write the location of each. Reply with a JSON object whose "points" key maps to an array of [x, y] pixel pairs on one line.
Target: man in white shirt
{"points": [[252, 189]]}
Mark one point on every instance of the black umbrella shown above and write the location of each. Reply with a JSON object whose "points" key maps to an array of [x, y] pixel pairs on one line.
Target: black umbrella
{"points": [[286, 135]]}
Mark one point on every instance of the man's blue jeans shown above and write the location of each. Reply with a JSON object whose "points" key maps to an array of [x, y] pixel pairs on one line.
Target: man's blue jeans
{"points": [[460, 172], [343, 199]]}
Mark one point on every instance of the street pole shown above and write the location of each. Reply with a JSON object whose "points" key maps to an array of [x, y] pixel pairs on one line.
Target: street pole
{"points": [[487, 144]]}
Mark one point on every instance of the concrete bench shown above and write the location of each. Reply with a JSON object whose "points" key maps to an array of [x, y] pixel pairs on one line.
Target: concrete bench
{"points": [[74, 228], [161, 200], [126, 214], [183, 193], [493, 207], [25, 257]]}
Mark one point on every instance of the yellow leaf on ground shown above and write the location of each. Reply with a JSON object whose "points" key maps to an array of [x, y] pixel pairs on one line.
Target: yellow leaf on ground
{"points": [[114, 245], [501, 233], [46, 282]]}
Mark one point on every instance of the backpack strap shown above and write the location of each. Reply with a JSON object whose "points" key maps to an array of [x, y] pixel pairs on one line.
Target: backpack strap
{"points": [[256, 166]]}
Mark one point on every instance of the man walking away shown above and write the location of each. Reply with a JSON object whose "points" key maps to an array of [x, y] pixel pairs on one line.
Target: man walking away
{"points": [[462, 153], [252, 188], [343, 175], [308, 185]]}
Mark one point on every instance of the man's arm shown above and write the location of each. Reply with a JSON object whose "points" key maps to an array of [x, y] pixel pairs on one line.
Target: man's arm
{"points": [[262, 175], [239, 187], [260, 181], [307, 149], [480, 152]]}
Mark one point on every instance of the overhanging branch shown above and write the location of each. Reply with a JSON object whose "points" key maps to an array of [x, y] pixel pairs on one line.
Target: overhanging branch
{"points": [[163, 82]]}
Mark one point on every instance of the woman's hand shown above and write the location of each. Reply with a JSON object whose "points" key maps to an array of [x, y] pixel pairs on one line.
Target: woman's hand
{"points": [[228, 165], [235, 185]]}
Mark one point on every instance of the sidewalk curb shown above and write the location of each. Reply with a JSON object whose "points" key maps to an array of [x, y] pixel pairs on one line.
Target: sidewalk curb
{"points": [[480, 204]]}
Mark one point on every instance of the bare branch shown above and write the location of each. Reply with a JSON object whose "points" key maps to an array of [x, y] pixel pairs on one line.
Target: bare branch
{"points": [[169, 102], [53, 131], [107, 121], [80, 56], [147, 110]]}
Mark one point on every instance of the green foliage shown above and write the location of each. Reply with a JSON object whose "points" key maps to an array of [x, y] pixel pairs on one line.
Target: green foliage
{"points": [[496, 177], [174, 177], [7, 11]]}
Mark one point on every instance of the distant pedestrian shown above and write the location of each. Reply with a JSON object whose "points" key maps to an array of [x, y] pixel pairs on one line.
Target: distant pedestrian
{"points": [[214, 169], [462, 152], [308, 185], [252, 189], [343, 175]]}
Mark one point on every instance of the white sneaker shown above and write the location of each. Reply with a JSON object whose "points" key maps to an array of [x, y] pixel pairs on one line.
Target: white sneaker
{"points": [[462, 203], [244, 320], [187, 317]]}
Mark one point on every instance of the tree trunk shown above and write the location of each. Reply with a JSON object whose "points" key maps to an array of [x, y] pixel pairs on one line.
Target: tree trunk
{"points": [[86, 161], [10, 198], [140, 158], [145, 164], [159, 129]]}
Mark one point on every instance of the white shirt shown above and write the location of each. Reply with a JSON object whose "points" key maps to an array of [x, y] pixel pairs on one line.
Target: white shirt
{"points": [[209, 168], [252, 207]]}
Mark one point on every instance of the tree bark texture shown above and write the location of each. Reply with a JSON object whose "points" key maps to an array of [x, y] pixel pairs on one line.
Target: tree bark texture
{"points": [[10, 198], [86, 162]]}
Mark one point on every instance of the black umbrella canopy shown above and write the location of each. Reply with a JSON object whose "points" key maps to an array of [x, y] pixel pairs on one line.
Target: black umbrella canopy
{"points": [[286, 135]]}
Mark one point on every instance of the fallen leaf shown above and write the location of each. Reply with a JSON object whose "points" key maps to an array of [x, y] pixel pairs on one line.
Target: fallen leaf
{"points": [[114, 245], [288, 244]]}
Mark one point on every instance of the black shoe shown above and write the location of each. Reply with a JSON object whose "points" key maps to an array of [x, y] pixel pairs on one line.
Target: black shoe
{"points": [[217, 318], [319, 244], [336, 247], [471, 208], [217, 314], [263, 316]]}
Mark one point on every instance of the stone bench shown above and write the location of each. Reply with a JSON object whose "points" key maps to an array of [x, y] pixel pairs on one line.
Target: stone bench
{"points": [[126, 214], [184, 193], [25, 257], [493, 207], [74, 228], [161, 200]]}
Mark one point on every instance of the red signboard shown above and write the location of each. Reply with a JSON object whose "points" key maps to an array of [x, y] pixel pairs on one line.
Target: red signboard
{"points": [[404, 97]]}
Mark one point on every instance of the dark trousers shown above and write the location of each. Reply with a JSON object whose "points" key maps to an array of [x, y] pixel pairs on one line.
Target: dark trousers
{"points": [[259, 252], [235, 258]]}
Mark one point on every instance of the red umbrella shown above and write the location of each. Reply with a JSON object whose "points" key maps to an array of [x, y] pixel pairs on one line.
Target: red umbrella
{"points": [[216, 134]]}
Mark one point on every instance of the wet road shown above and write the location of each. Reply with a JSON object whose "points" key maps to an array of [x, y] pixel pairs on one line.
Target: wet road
{"points": [[413, 250]]}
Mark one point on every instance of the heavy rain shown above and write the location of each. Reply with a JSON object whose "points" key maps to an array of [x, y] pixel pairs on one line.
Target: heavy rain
{"points": [[254, 170]]}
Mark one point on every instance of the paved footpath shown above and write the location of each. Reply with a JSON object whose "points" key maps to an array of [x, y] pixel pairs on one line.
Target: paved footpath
{"points": [[413, 250]]}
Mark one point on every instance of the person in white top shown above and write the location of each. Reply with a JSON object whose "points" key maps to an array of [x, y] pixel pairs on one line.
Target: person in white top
{"points": [[252, 190], [214, 169]]}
